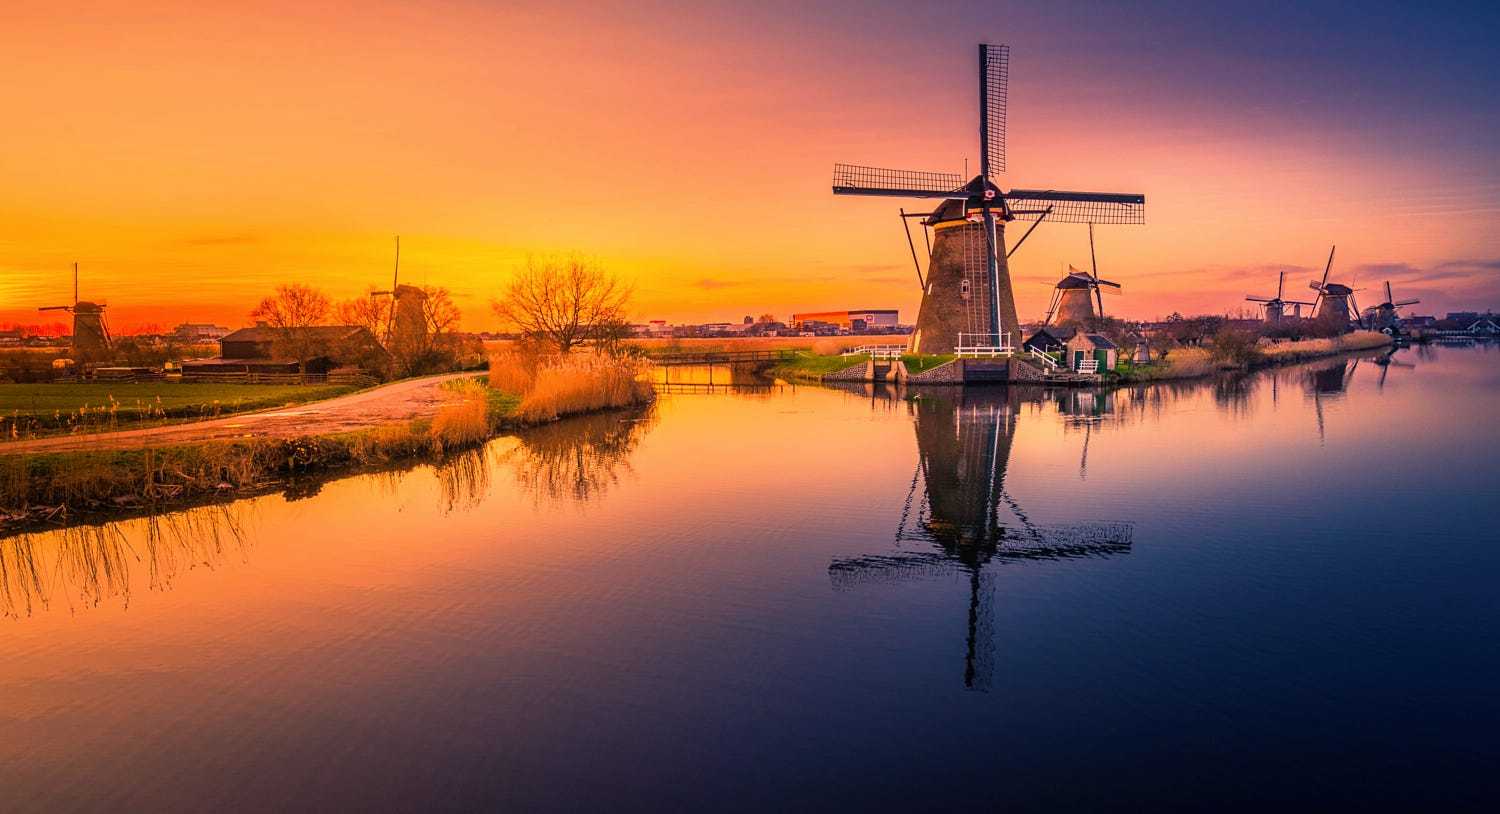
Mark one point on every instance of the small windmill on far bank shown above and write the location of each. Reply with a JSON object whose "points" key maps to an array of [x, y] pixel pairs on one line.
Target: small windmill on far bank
{"points": [[90, 332], [1275, 307], [1383, 317], [1074, 295]]}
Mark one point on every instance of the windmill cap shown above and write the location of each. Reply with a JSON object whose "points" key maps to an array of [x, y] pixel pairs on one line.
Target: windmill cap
{"points": [[956, 209], [1075, 281], [1337, 289]]}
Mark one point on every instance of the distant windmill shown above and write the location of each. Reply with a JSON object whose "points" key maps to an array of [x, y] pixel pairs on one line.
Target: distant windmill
{"points": [[1275, 307], [1074, 295], [1383, 317], [967, 299], [407, 318], [90, 333], [1335, 303]]}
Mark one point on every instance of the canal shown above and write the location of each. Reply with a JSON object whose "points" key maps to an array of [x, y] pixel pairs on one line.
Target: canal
{"points": [[1263, 589]]}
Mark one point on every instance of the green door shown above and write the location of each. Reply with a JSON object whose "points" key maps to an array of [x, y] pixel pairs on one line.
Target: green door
{"points": [[1102, 357], [1077, 358]]}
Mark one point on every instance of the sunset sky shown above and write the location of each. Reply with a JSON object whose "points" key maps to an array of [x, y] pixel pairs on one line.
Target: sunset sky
{"points": [[190, 158]]}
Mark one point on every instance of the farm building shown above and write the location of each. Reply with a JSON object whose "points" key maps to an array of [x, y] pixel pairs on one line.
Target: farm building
{"points": [[263, 349], [1050, 339], [1085, 350]]}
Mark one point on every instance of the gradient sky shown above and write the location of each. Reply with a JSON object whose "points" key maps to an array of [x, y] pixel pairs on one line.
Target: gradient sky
{"points": [[191, 158]]}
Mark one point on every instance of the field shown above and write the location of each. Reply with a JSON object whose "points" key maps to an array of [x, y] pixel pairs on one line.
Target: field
{"points": [[30, 409], [823, 345]]}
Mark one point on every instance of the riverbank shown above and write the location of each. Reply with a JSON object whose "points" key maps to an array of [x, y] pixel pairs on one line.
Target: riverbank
{"points": [[52, 485], [1193, 363]]}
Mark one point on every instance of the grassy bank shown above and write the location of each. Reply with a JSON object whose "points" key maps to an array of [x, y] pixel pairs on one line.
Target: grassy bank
{"points": [[810, 366], [28, 410], [52, 487], [1190, 363]]}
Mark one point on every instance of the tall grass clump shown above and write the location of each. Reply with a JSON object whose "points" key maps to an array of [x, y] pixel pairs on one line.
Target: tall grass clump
{"points": [[551, 386], [464, 421]]}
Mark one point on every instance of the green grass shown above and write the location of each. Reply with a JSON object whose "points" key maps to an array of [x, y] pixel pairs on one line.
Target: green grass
{"points": [[499, 405], [27, 409], [813, 366], [921, 363]]}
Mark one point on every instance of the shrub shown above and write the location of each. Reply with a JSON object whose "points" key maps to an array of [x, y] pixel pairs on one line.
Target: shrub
{"points": [[1235, 346]]}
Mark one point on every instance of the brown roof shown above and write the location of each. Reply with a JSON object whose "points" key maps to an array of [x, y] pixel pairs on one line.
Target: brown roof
{"points": [[326, 333]]}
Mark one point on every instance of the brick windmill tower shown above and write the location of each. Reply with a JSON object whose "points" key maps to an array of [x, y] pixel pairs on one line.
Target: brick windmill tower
{"points": [[968, 304]]}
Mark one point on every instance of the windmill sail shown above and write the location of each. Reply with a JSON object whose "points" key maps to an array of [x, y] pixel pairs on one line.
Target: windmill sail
{"points": [[994, 87], [1077, 207], [853, 179]]}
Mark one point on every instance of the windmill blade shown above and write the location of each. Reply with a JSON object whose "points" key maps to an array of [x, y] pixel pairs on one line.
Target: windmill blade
{"points": [[1253, 298], [1280, 282], [1077, 207], [1296, 302], [1327, 268], [1107, 282], [853, 179], [848, 572], [1388, 297], [56, 308], [1315, 285], [994, 82], [1405, 303]]}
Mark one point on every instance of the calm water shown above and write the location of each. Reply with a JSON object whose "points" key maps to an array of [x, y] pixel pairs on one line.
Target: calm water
{"points": [[1275, 589]]}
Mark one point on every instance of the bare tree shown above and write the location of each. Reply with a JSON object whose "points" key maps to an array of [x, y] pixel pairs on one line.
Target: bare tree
{"points": [[438, 308], [564, 301], [293, 308], [369, 312]]}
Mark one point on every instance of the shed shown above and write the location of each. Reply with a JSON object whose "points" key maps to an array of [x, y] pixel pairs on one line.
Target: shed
{"points": [[1095, 348], [1049, 339]]}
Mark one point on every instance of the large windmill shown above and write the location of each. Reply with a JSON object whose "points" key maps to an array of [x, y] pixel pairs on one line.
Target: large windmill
{"points": [[1275, 307], [1074, 295], [966, 521], [1335, 303], [967, 299], [1383, 317], [90, 332]]}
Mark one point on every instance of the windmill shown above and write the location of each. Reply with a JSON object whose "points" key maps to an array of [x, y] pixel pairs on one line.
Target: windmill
{"points": [[1383, 317], [406, 319], [1335, 303], [1275, 307], [90, 332], [1074, 295], [963, 450], [967, 299]]}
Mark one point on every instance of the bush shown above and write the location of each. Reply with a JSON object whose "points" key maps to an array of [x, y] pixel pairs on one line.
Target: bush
{"points": [[1235, 346]]}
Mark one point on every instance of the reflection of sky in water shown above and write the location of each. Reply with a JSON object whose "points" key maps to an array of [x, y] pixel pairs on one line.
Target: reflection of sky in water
{"points": [[653, 610]]}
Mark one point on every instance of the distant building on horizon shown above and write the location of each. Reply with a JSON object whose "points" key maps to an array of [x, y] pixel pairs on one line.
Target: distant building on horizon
{"points": [[864, 319], [199, 332]]}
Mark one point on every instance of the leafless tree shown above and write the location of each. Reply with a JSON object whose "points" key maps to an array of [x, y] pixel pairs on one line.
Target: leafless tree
{"points": [[369, 312], [293, 308], [564, 302]]}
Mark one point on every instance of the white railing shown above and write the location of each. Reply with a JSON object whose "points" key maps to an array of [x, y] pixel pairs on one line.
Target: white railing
{"points": [[983, 345], [877, 351], [1088, 366], [1047, 361]]}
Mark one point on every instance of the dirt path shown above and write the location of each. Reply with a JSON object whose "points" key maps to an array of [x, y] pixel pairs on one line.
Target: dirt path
{"points": [[399, 401]]}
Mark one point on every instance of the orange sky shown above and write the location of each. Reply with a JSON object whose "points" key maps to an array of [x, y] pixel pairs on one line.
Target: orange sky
{"points": [[192, 159]]}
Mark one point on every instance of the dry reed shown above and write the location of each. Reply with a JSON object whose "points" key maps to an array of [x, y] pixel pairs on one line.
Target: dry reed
{"points": [[465, 420], [582, 383]]}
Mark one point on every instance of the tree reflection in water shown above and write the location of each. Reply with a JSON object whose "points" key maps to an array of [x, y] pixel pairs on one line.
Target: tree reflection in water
{"points": [[89, 564], [580, 458]]}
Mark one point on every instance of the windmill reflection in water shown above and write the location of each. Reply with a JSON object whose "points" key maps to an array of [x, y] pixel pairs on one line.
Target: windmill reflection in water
{"points": [[959, 509]]}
